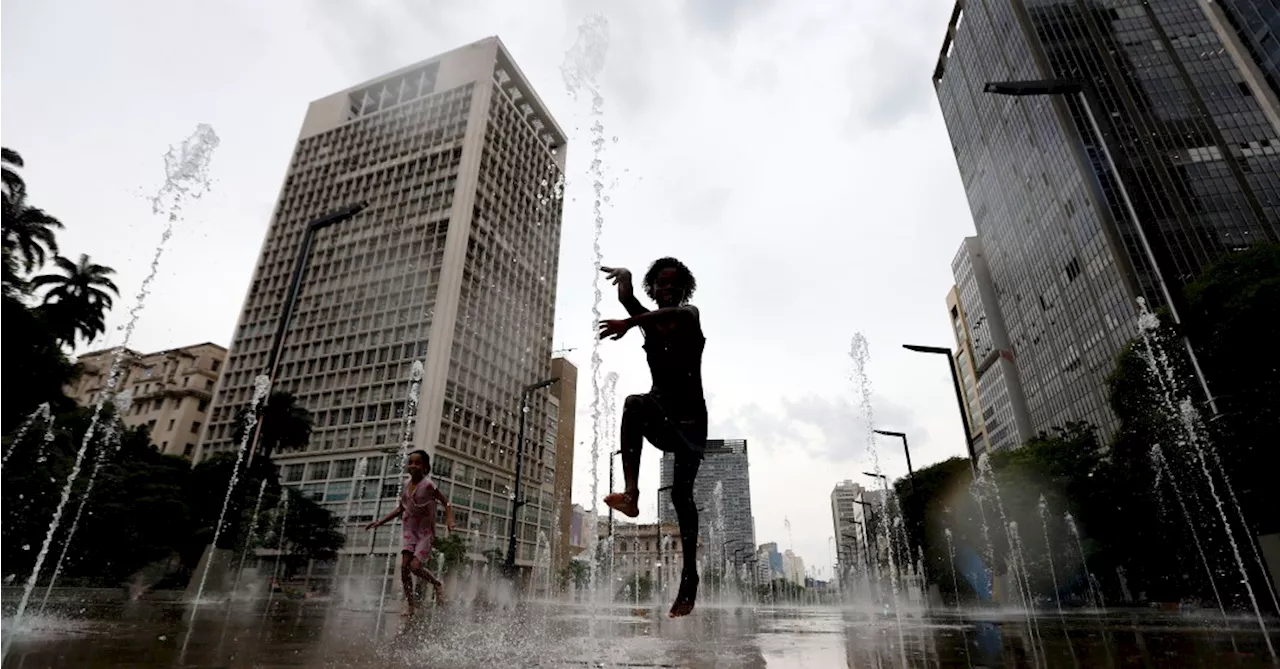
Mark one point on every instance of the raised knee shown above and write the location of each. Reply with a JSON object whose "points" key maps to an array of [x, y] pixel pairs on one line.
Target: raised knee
{"points": [[632, 402]]}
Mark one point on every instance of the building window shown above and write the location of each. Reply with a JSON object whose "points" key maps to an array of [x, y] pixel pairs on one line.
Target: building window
{"points": [[188, 450], [208, 385], [215, 365], [195, 427], [164, 445], [171, 425], [204, 404], [292, 473], [317, 471]]}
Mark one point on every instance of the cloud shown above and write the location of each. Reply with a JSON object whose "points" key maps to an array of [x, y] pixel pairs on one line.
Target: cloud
{"points": [[778, 148], [891, 70], [817, 427], [722, 17]]}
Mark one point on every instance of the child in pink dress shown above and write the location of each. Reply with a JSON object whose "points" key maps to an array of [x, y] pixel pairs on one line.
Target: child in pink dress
{"points": [[418, 500]]}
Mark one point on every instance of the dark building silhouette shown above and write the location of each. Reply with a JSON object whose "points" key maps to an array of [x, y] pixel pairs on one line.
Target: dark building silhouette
{"points": [[1190, 119]]}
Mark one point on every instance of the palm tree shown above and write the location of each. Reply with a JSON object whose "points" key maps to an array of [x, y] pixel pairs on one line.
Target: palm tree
{"points": [[77, 300], [15, 187], [285, 424], [28, 232]]}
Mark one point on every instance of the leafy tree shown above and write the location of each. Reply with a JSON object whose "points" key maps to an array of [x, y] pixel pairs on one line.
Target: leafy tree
{"points": [[637, 582], [137, 514], [576, 572], [453, 547], [286, 425], [1231, 318], [14, 187], [77, 300], [34, 363], [29, 235], [28, 232]]}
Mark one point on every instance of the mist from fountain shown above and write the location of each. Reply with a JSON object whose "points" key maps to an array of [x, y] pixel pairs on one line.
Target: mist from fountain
{"points": [[186, 177], [581, 69], [406, 444], [110, 444], [1179, 407], [860, 354], [282, 520], [248, 542], [41, 413]]}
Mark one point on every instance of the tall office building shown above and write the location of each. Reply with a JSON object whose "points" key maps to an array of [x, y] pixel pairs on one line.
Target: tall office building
{"points": [[1257, 54], [724, 462], [994, 398], [843, 504], [769, 562], [793, 567], [452, 264], [1065, 236], [565, 392], [965, 366]]}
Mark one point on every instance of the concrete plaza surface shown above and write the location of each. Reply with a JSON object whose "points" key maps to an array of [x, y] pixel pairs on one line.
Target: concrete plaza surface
{"points": [[97, 632]]}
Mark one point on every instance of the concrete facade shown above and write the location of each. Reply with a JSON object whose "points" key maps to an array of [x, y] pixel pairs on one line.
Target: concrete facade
{"points": [[843, 516], [171, 391], [566, 393], [989, 375], [453, 264], [725, 462]]}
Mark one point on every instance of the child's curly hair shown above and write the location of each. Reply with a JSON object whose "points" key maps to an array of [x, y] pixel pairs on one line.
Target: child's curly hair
{"points": [[686, 284]]}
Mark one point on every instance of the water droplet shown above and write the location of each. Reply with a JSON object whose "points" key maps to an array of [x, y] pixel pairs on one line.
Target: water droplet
{"points": [[26, 547], [162, 637]]}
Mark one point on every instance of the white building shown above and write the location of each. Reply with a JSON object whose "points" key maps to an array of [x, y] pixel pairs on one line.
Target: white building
{"points": [[845, 524], [453, 264], [725, 463], [793, 567]]}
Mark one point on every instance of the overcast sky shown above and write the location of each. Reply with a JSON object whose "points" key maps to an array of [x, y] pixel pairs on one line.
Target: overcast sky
{"points": [[792, 154]]}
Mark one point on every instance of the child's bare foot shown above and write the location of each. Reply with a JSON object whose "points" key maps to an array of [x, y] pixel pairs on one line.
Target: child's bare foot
{"points": [[409, 612], [624, 503], [685, 597]]}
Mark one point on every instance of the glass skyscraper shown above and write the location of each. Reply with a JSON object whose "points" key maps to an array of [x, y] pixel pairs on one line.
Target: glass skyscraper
{"points": [[1196, 141], [725, 462]]}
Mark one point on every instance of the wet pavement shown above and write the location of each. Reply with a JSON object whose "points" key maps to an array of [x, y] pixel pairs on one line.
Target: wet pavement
{"points": [[102, 632]]}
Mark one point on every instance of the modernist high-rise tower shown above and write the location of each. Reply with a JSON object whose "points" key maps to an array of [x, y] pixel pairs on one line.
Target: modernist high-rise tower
{"points": [[452, 264], [1169, 94], [844, 498], [724, 462]]}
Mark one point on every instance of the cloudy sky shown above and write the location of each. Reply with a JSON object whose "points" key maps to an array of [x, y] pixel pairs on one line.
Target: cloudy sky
{"points": [[792, 154]]}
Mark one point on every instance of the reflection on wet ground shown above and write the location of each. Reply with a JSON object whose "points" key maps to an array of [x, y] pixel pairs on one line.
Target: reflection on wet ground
{"points": [[102, 632]]}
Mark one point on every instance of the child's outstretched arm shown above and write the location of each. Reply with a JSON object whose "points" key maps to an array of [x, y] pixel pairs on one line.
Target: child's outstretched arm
{"points": [[448, 508], [390, 516]]}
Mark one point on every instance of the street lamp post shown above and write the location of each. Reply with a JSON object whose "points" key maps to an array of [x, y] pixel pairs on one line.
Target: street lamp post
{"points": [[1088, 101], [955, 382], [911, 475], [291, 298], [517, 502], [868, 512]]}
